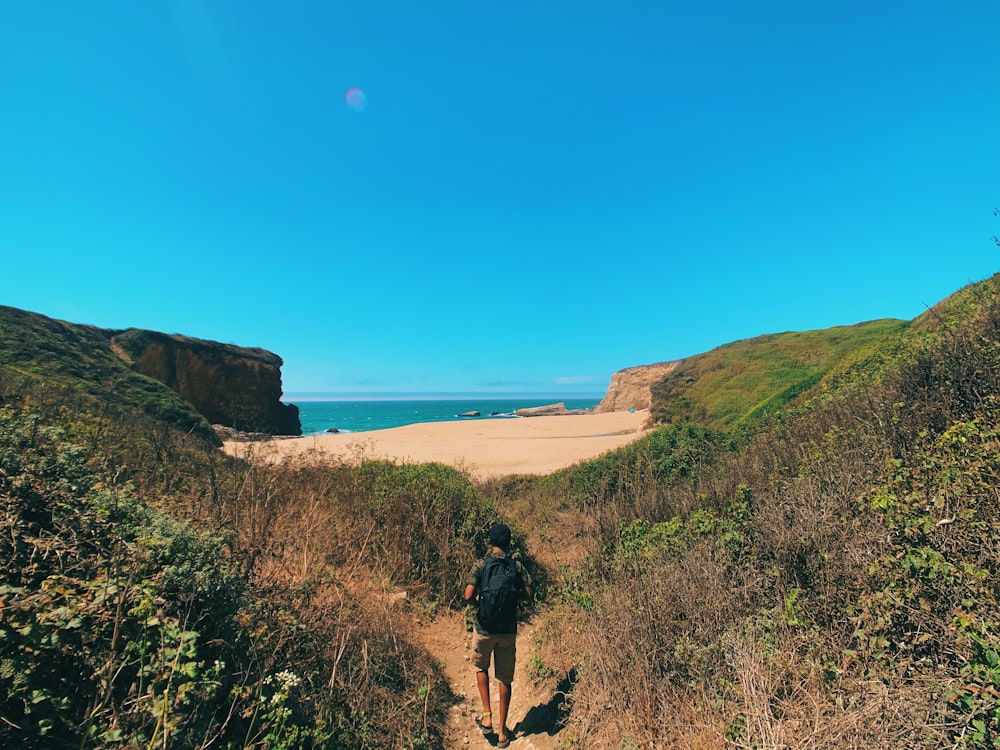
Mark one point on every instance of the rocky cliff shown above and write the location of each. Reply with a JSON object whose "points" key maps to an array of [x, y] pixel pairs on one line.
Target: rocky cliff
{"points": [[630, 388], [230, 385]]}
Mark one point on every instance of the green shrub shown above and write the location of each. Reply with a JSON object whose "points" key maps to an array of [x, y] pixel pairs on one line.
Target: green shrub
{"points": [[427, 521], [933, 598], [118, 621], [667, 456]]}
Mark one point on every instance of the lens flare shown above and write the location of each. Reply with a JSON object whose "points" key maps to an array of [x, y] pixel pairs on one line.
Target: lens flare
{"points": [[356, 99]]}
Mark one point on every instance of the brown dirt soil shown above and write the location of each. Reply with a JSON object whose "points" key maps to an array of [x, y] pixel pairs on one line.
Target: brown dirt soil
{"points": [[534, 709]]}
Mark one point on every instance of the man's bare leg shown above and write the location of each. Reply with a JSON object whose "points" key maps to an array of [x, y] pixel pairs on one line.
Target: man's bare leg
{"points": [[505, 691], [483, 682]]}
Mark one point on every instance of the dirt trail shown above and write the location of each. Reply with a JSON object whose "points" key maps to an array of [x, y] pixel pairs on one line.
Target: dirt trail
{"points": [[535, 704]]}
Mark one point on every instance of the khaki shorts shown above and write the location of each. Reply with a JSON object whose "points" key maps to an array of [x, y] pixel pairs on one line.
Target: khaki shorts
{"points": [[504, 651]]}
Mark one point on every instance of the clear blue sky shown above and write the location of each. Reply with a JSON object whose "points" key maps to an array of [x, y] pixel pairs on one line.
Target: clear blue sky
{"points": [[526, 197]]}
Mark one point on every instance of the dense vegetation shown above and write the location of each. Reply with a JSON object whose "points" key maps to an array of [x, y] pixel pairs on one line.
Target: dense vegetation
{"points": [[805, 555], [830, 582], [215, 623]]}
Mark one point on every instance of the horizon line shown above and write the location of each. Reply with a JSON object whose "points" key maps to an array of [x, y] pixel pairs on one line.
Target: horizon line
{"points": [[435, 395]]}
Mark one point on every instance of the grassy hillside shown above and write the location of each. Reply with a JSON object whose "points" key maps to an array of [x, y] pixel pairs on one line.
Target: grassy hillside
{"points": [[739, 383], [829, 581]]}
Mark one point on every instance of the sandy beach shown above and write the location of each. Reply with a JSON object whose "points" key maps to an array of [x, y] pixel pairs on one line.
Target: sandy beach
{"points": [[484, 447]]}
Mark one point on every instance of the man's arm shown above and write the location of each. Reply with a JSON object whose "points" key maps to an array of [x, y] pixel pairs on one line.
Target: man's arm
{"points": [[472, 582]]}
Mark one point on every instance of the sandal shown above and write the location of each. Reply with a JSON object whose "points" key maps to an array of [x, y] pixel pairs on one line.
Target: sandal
{"points": [[485, 728], [504, 743]]}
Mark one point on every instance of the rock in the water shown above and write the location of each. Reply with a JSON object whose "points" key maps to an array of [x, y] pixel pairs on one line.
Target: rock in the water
{"points": [[551, 410]]}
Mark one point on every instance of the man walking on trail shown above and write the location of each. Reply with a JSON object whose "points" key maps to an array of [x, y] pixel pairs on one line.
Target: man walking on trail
{"points": [[497, 583]]}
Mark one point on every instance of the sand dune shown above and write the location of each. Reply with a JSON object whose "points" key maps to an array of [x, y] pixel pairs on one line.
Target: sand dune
{"points": [[486, 448]]}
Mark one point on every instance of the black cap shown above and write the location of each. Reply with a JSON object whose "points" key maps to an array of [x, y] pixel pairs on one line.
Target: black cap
{"points": [[500, 535]]}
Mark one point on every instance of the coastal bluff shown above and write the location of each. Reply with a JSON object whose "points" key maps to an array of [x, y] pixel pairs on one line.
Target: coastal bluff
{"points": [[631, 388], [233, 386], [191, 383]]}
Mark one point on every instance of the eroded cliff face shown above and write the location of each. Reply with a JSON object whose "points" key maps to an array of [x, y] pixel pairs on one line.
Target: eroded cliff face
{"points": [[630, 388], [235, 386]]}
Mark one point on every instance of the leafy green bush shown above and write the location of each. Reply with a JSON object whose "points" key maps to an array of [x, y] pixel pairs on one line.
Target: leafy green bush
{"points": [[933, 598], [666, 456], [427, 522], [118, 621]]}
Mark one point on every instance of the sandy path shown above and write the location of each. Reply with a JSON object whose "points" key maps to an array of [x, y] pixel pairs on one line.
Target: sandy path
{"points": [[484, 447], [534, 705]]}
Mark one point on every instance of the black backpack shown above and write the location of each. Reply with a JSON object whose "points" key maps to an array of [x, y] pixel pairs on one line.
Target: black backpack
{"points": [[500, 587]]}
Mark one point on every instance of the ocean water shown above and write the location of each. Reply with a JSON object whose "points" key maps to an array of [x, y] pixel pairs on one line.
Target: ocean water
{"points": [[361, 416]]}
